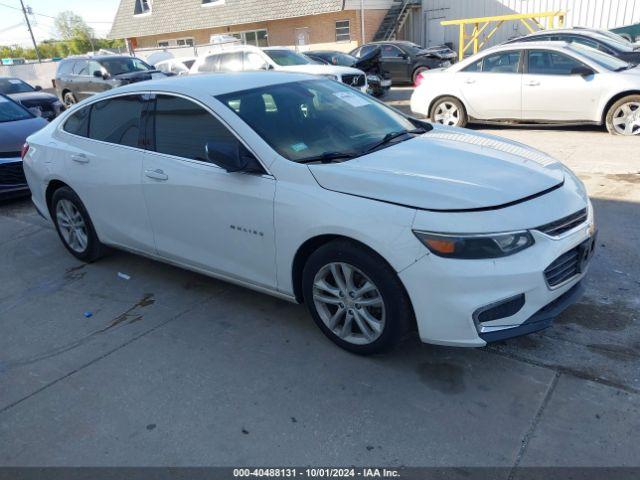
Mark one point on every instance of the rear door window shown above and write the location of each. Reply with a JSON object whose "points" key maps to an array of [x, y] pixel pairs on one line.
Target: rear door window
{"points": [[81, 67], [231, 62], [503, 62], [183, 129], [65, 67], [117, 120], [78, 123]]}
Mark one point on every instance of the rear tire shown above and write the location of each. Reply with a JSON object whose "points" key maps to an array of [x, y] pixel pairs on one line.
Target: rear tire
{"points": [[356, 298], [623, 118], [74, 226], [69, 99], [417, 72], [449, 111]]}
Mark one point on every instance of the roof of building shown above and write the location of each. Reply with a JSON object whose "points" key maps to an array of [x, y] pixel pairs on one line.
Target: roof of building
{"points": [[173, 16]]}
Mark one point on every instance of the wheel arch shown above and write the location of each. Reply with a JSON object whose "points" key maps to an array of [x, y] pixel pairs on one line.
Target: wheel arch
{"points": [[52, 186], [312, 244], [614, 99]]}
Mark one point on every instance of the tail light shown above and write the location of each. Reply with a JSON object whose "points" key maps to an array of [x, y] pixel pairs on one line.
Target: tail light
{"points": [[419, 79], [25, 150]]}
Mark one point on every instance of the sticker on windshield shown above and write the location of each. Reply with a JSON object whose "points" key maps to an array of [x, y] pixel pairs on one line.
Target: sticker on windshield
{"points": [[298, 147], [352, 99]]}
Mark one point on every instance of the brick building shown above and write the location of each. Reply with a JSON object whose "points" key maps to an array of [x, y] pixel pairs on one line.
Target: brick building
{"points": [[305, 24]]}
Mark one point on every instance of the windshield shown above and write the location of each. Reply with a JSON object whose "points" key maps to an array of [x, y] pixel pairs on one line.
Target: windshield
{"points": [[617, 38], [287, 58], [603, 59], [14, 85], [120, 65], [303, 120], [620, 45], [12, 112]]}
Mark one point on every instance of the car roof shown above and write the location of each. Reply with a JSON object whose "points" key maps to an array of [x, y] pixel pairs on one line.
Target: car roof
{"points": [[94, 57], [558, 44], [214, 83]]}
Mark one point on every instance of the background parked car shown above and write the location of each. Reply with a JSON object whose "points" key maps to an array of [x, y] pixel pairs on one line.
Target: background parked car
{"points": [[379, 80], [175, 66], [606, 42], [16, 124], [247, 57], [80, 77], [406, 60], [544, 82], [40, 103]]}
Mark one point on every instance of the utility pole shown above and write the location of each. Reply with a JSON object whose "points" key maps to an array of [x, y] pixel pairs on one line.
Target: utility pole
{"points": [[361, 21], [26, 17]]}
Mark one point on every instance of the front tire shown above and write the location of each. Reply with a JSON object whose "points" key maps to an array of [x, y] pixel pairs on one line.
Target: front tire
{"points": [[449, 111], [355, 298], [623, 118], [74, 226]]}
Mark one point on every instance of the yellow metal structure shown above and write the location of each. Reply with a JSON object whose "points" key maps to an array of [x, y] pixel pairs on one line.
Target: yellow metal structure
{"points": [[532, 21]]}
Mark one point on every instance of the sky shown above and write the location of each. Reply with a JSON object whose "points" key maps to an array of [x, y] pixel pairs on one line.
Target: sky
{"points": [[98, 14]]}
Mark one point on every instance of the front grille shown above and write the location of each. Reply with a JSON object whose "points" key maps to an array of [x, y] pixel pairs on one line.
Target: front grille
{"points": [[356, 80], [565, 224], [570, 264], [12, 174]]}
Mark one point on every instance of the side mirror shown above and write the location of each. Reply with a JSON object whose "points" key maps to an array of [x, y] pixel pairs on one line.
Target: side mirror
{"points": [[37, 88], [404, 56], [582, 71], [233, 157], [97, 73]]}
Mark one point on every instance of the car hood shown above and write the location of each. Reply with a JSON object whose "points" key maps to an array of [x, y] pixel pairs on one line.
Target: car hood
{"points": [[14, 134], [321, 69], [446, 169], [42, 97]]}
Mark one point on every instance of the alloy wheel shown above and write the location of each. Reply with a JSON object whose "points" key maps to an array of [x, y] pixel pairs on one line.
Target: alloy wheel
{"points": [[626, 119], [447, 113], [72, 226], [349, 303]]}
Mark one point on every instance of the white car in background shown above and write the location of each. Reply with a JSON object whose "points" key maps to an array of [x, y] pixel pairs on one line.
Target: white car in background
{"points": [[531, 82], [247, 57], [175, 66], [306, 189]]}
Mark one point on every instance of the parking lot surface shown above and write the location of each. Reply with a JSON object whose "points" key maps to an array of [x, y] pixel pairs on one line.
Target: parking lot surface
{"points": [[174, 368]]}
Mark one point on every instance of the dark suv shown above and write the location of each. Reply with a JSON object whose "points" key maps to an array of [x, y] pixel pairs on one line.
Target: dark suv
{"points": [[406, 60], [80, 77]]}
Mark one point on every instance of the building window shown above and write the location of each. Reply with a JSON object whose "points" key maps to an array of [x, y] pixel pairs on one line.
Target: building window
{"points": [[210, 3], [142, 6], [257, 38], [178, 42], [343, 31]]}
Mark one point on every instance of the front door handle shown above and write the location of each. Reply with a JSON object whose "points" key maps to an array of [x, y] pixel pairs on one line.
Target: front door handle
{"points": [[156, 174], [469, 81], [80, 158], [533, 83]]}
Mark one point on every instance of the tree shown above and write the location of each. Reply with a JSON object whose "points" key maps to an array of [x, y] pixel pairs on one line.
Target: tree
{"points": [[72, 27]]}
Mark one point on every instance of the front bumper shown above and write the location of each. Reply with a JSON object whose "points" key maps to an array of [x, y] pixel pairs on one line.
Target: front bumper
{"points": [[447, 294]]}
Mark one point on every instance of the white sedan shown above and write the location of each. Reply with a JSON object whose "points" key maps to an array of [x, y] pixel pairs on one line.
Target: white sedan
{"points": [[541, 82], [304, 188]]}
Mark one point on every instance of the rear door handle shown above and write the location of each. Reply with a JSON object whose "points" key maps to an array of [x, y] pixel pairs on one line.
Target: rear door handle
{"points": [[80, 158], [533, 83], [156, 174], [469, 81]]}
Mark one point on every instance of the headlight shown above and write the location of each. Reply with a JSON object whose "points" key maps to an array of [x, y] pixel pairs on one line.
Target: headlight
{"points": [[474, 247]]}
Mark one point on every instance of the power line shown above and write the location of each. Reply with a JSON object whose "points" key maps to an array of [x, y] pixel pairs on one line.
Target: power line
{"points": [[45, 15]]}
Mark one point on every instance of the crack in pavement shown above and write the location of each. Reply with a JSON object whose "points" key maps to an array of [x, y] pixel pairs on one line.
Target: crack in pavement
{"points": [[534, 424]]}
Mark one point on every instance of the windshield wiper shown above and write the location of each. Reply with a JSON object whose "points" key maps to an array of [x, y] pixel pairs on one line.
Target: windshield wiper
{"points": [[389, 137], [327, 157]]}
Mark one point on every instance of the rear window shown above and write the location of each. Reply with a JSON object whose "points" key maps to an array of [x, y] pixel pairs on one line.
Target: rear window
{"points": [[117, 120], [65, 67], [12, 112]]}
